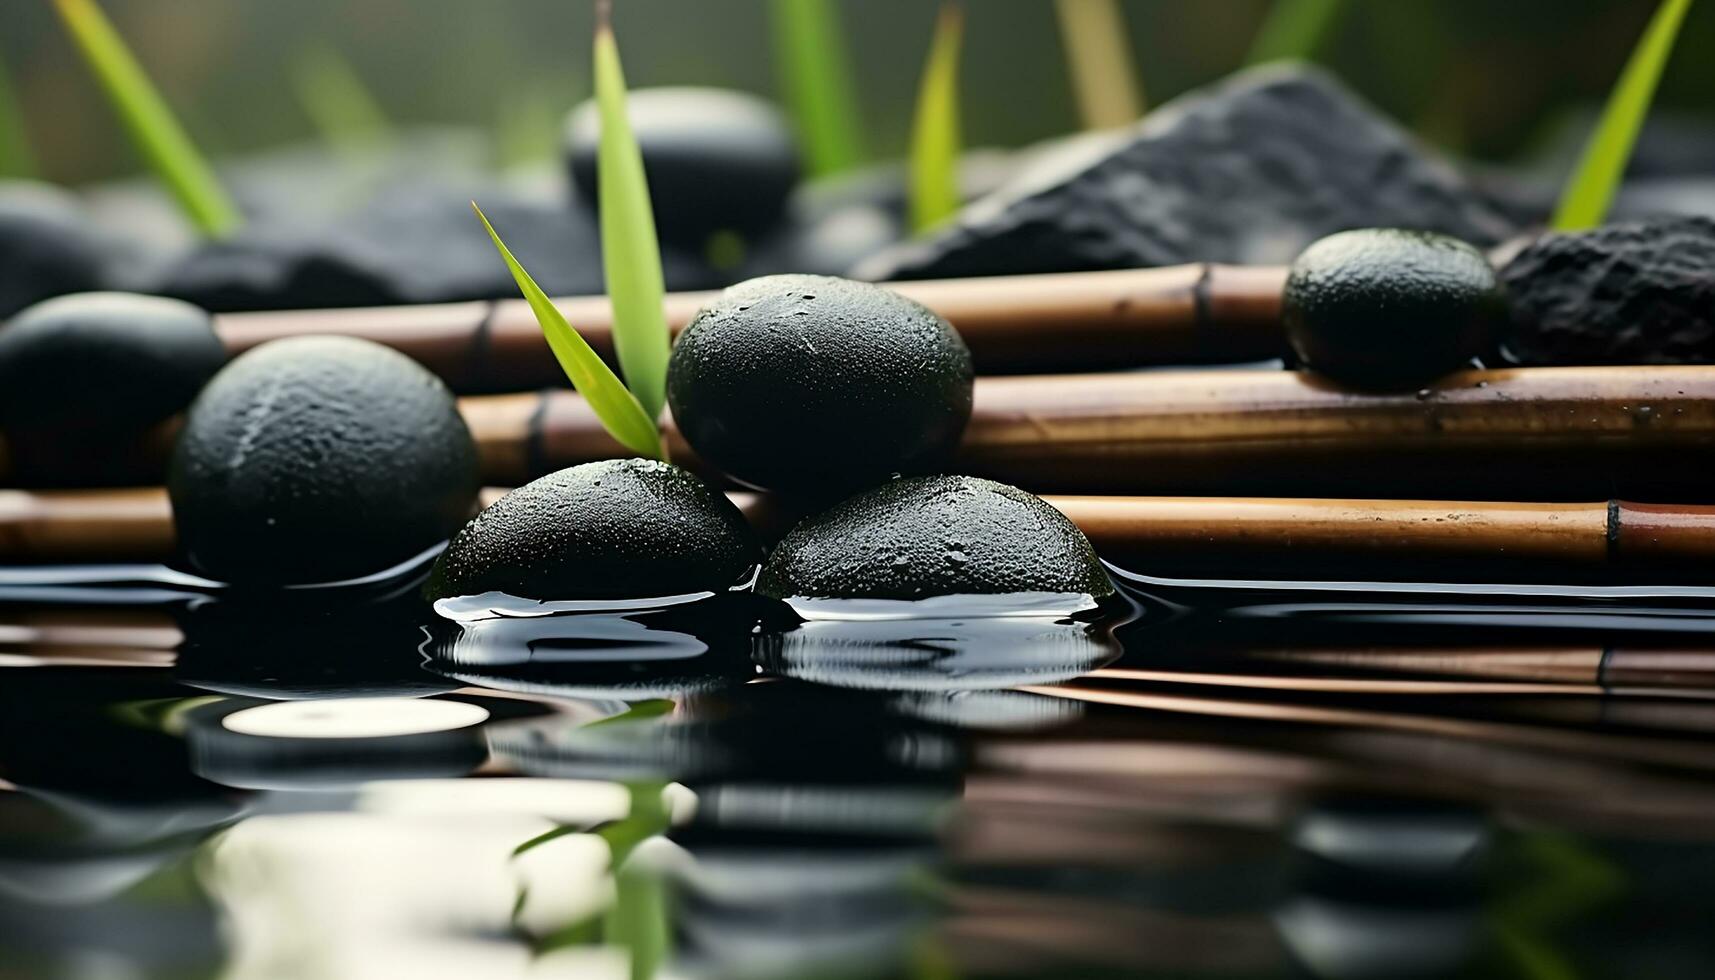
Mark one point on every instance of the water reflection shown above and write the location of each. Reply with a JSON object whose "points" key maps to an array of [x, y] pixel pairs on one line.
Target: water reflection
{"points": [[722, 786], [945, 643], [628, 651]]}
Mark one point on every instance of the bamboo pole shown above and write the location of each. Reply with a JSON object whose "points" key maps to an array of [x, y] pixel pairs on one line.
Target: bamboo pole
{"points": [[1054, 322], [1150, 533], [1238, 431], [1545, 434]]}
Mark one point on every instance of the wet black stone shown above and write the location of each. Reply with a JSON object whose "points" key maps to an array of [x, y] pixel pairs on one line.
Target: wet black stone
{"points": [[408, 248], [47, 247], [816, 385], [1386, 309], [935, 535], [715, 159], [83, 376], [316, 459], [1248, 171], [1628, 293], [617, 529]]}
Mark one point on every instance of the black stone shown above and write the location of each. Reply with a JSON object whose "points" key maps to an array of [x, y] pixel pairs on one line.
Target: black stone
{"points": [[408, 248], [716, 159], [817, 385], [1385, 309], [935, 535], [617, 529], [315, 459], [1249, 171], [1629, 293], [47, 247], [82, 377]]}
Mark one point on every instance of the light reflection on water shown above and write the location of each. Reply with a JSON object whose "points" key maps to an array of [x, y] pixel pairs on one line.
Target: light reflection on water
{"points": [[315, 788]]}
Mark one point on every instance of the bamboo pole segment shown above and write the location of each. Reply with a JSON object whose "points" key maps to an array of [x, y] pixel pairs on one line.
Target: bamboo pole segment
{"points": [[1172, 533], [1546, 434], [1694, 686], [1052, 322], [1529, 433]]}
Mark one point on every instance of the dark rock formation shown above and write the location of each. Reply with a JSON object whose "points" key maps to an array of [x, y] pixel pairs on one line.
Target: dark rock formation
{"points": [[1249, 171], [1628, 293]]}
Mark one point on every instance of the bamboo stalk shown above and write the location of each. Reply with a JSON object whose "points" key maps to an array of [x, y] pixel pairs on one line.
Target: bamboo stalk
{"points": [[1539, 433], [1544, 434], [1530, 433], [1409, 686], [1139, 532], [1053, 322]]}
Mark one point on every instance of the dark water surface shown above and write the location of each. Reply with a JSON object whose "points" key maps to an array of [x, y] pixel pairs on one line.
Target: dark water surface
{"points": [[1202, 780]]}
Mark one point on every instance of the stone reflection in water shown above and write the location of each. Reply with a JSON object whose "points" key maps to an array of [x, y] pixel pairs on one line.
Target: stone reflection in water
{"points": [[945, 643], [100, 809], [332, 743], [422, 879], [1388, 888], [612, 650], [284, 645]]}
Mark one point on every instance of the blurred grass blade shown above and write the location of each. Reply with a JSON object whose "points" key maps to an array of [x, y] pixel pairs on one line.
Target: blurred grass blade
{"points": [[1294, 29], [1585, 201], [631, 256], [935, 138], [336, 100], [528, 118], [157, 135], [608, 398], [815, 74], [1098, 57], [16, 159]]}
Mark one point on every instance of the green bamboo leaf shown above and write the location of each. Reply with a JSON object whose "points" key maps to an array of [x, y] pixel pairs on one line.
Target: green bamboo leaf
{"points": [[613, 405], [935, 138], [1098, 58], [815, 73], [1590, 191], [333, 95], [631, 256], [16, 159], [1294, 29], [151, 125]]}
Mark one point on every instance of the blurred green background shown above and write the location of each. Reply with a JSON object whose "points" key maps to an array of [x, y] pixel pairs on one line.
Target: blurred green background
{"points": [[1483, 78]]}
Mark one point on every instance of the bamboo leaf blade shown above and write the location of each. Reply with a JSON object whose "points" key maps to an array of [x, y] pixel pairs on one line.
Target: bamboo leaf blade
{"points": [[815, 74], [1294, 29], [1590, 190], [614, 405], [16, 157], [935, 137], [631, 254], [1103, 73], [339, 104], [151, 124]]}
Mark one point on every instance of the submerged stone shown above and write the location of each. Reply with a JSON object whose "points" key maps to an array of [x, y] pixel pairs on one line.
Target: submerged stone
{"points": [[617, 529], [1387, 309], [407, 248], [315, 459], [1627, 293], [1248, 171], [83, 376], [716, 159], [813, 384], [47, 246], [931, 536]]}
